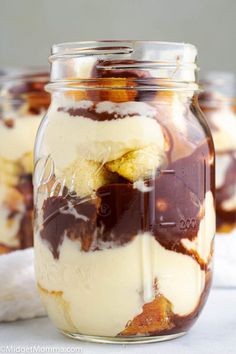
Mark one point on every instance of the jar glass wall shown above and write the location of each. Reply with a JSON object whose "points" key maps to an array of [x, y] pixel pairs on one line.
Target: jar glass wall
{"points": [[23, 103], [124, 193]]}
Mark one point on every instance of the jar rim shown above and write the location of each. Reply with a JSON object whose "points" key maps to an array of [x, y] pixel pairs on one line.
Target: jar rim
{"points": [[139, 61], [100, 47]]}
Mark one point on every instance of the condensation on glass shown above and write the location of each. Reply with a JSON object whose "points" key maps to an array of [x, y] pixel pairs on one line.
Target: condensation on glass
{"points": [[124, 192], [23, 102]]}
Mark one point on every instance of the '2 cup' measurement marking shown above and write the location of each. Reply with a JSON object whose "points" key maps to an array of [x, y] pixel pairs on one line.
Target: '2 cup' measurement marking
{"points": [[184, 224], [189, 223]]}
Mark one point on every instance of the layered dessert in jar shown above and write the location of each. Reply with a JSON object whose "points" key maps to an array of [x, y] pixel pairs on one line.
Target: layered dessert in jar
{"points": [[23, 103], [218, 104], [124, 194]]}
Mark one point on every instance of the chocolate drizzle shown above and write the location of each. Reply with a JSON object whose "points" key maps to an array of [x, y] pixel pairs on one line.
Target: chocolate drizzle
{"points": [[171, 210], [179, 197], [91, 113], [71, 216]]}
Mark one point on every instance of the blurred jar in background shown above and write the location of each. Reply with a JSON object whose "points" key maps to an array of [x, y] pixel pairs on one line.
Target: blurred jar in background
{"points": [[218, 105], [23, 103]]}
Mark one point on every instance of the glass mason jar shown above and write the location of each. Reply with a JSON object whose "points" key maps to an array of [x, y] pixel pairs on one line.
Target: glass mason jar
{"points": [[23, 102], [124, 192], [218, 104]]}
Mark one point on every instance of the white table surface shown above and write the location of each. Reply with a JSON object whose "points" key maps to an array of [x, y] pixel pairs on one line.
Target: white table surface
{"points": [[215, 332]]}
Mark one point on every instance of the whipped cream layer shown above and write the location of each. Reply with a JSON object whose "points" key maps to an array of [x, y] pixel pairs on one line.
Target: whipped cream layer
{"points": [[100, 141], [19, 139], [97, 293]]}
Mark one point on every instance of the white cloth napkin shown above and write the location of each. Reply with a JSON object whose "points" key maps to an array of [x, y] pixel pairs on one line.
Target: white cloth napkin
{"points": [[19, 298], [225, 260]]}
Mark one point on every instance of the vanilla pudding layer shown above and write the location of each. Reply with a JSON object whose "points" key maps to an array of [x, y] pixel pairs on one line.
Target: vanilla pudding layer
{"points": [[129, 126], [97, 293], [19, 139], [99, 141]]}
